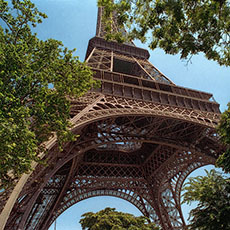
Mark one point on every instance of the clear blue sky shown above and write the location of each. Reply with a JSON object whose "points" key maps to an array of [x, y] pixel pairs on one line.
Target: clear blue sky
{"points": [[74, 23]]}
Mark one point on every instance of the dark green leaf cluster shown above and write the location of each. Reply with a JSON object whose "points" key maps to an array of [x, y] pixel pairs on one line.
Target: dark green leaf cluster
{"points": [[36, 79], [109, 219], [213, 194], [183, 26]]}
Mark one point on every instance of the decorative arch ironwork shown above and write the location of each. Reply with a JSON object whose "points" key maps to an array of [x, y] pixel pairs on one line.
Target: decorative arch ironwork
{"points": [[172, 157], [143, 205]]}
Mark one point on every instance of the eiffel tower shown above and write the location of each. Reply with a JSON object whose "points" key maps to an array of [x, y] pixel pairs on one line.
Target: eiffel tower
{"points": [[140, 136]]}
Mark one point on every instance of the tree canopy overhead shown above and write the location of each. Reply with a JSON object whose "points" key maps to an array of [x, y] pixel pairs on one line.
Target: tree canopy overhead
{"points": [[186, 27], [35, 78], [212, 193], [110, 219]]}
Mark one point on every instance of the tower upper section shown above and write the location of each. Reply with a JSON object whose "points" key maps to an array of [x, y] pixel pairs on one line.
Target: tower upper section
{"points": [[127, 48], [125, 71], [125, 53]]}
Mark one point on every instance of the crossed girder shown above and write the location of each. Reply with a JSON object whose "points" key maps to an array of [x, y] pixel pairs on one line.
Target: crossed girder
{"points": [[111, 61], [141, 158]]}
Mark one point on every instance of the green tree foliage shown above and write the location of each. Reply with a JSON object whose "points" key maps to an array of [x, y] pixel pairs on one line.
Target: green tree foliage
{"points": [[213, 195], [109, 219], [224, 132], [183, 26], [35, 78]]}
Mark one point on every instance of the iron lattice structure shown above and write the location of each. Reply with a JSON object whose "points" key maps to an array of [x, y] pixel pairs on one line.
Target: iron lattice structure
{"points": [[140, 137]]}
